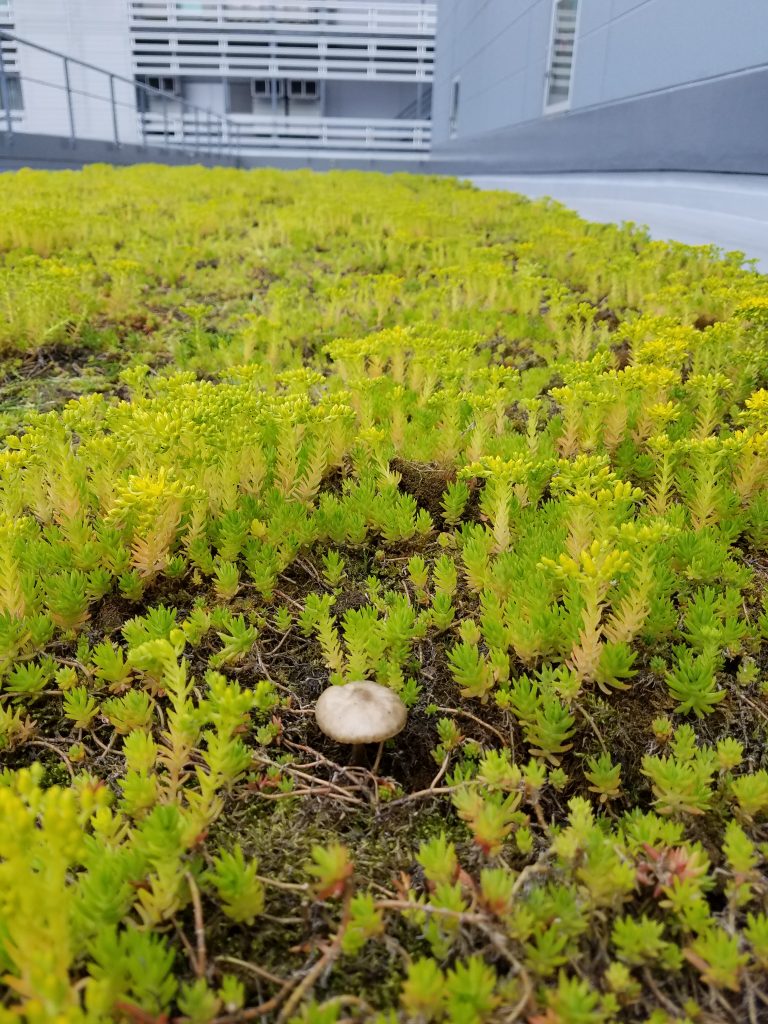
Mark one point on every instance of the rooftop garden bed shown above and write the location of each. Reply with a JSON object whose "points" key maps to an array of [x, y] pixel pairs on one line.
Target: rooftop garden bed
{"points": [[267, 433]]}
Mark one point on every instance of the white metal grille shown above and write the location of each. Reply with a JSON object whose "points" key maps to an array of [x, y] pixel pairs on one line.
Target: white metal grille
{"points": [[380, 17], [274, 45], [561, 54], [339, 57]]}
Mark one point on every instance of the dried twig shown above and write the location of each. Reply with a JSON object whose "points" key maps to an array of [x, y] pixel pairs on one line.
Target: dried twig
{"points": [[311, 791], [325, 961], [288, 886], [423, 793], [202, 957], [59, 753], [443, 769], [283, 638], [595, 730], [663, 999], [246, 965], [485, 725], [108, 748], [754, 706], [342, 792], [186, 944], [485, 925], [253, 1012], [339, 769], [75, 664]]}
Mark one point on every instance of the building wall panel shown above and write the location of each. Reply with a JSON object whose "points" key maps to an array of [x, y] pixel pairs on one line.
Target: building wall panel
{"points": [[625, 50], [367, 99], [93, 32]]}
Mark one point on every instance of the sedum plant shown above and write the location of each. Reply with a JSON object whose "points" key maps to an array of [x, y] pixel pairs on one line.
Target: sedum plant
{"points": [[290, 431]]}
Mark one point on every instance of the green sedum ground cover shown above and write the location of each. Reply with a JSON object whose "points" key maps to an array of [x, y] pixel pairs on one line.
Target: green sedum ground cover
{"points": [[270, 432]]}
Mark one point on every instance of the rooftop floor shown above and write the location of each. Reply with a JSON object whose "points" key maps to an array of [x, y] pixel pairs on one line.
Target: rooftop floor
{"points": [[729, 210]]}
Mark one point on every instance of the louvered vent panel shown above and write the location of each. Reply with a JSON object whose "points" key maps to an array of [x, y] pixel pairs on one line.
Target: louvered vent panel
{"points": [[561, 54]]}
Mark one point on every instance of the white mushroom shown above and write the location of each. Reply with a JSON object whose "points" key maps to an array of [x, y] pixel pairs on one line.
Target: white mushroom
{"points": [[360, 713]]}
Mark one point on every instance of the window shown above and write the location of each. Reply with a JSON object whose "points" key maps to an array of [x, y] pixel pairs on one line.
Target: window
{"points": [[165, 84], [163, 88], [196, 11], [300, 89], [266, 88], [453, 120], [13, 91], [239, 99], [559, 74], [279, 88]]}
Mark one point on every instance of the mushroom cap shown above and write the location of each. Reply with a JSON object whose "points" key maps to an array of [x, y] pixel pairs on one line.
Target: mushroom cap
{"points": [[360, 713]]}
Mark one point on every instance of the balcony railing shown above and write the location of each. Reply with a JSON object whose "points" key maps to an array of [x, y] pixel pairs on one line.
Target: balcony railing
{"points": [[249, 133], [383, 59], [82, 102], [375, 17]]}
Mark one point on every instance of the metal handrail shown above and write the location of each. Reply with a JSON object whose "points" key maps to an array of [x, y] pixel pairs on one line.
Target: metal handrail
{"points": [[326, 133], [225, 127]]}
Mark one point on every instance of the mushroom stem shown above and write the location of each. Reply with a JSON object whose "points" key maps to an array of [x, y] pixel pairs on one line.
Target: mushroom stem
{"points": [[356, 754], [377, 762]]}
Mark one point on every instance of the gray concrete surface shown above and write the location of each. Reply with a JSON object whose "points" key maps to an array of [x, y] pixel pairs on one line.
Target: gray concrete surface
{"points": [[727, 210], [55, 153]]}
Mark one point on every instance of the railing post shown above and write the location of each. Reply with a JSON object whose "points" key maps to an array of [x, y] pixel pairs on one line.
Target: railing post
{"points": [[114, 109], [165, 120], [197, 132], [143, 109], [5, 93], [70, 109]]}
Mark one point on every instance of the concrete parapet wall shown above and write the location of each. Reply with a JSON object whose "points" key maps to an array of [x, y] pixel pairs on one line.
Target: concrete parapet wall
{"points": [[51, 152], [709, 126]]}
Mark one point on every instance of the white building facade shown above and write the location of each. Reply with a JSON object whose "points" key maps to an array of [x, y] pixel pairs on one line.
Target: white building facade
{"points": [[300, 77]]}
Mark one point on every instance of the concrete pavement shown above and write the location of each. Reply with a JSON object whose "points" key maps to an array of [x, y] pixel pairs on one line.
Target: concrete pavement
{"points": [[729, 210]]}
